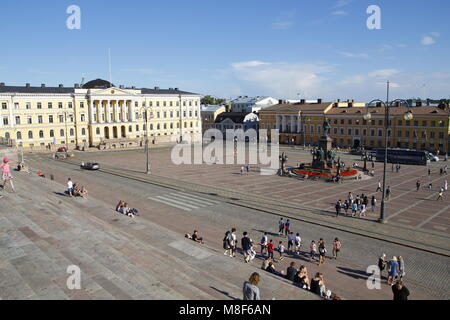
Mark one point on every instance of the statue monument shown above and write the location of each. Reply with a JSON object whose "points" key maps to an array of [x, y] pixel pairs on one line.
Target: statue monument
{"points": [[324, 157]]}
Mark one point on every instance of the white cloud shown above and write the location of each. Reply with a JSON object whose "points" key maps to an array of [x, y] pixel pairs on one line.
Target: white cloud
{"points": [[342, 3], [284, 21], [435, 34], [339, 13], [427, 40], [353, 55], [383, 73], [248, 64], [281, 78]]}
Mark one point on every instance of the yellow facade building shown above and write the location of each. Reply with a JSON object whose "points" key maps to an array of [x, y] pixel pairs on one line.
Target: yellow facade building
{"points": [[97, 114], [301, 123]]}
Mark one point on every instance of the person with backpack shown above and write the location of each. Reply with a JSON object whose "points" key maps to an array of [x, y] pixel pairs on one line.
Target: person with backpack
{"points": [[227, 244], [247, 247], [263, 243], [338, 208], [336, 247]]}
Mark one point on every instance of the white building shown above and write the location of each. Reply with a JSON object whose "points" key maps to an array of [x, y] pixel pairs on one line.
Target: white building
{"points": [[251, 104]]}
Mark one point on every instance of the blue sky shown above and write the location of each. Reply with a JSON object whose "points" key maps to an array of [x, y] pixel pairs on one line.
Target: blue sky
{"points": [[318, 49]]}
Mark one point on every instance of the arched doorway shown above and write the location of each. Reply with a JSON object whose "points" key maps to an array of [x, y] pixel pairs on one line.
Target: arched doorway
{"points": [[124, 131], [115, 133], [356, 143], [106, 133]]}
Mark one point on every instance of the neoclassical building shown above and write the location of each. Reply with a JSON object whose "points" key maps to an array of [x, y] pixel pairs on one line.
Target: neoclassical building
{"points": [[97, 114]]}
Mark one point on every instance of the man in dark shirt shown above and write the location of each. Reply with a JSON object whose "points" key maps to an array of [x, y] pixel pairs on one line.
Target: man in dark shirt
{"points": [[246, 246], [400, 291], [291, 272]]}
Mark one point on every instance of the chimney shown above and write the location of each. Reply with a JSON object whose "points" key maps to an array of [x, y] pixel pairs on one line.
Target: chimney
{"points": [[121, 86], [319, 101], [27, 85], [156, 88], [61, 86], [43, 85], [77, 86], [133, 87], [280, 101], [418, 103], [170, 88], [302, 101], [339, 100], [2, 84], [176, 89]]}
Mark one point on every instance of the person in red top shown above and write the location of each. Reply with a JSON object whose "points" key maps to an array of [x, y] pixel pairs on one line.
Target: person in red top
{"points": [[270, 248]]}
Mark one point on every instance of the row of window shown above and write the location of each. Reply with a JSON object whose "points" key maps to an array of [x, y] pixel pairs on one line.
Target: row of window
{"points": [[415, 123], [42, 136], [40, 119], [50, 105], [28, 105]]}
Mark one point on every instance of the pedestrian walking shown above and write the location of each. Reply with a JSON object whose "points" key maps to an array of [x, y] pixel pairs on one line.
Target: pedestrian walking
{"points": [[280, 250], [290, 241], [233, 242], [227, 244], [338, 208], [312, 250], [322, 251], [362, 213], [270, 249], [280, 227], [418, 185], [350, 198], [354, 209], [445, 185], [392, 270], [250, 289], [298, 243], [401, 267], [429, 172], [287, 227], [247, 247], [400, 292], [346, 207], [263, 243], [373, 203], [247, 168], [6, 174], [379, 186], [336, 247], [388, 193], [382, 264], [392, 168], [440, 195], [70, 187]]}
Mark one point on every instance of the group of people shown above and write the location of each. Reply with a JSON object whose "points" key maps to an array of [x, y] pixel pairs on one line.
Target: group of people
{"points": [[356, 204], [123, 208], [396, 271], [74, 190]]}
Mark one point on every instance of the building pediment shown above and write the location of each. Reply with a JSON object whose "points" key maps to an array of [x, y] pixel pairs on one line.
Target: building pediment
{"points": [[113, 91]]}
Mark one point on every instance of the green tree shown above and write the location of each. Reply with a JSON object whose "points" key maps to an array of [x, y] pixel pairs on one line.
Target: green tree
{"points": [[211, 100]]}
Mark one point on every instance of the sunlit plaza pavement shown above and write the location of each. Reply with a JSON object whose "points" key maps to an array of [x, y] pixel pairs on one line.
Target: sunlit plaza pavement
{"points": [[190, 206]]}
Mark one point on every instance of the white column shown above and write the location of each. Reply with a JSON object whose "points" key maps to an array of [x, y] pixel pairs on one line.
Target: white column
{"points": [[131, 108], [299, 124], [283, 123], [91, 111], [108, 111], [293, 124], [277, 118]]}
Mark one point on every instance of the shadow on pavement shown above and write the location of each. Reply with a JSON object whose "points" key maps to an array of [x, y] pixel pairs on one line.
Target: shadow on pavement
{"points": [[225, 293]]}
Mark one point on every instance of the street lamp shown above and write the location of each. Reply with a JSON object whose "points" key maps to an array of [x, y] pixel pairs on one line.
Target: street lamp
{"points": [[368, 116], [304, 132], [145, 114]]}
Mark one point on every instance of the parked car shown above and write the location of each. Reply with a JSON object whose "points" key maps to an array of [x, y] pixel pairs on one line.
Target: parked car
{"points": [[62, 149], [90, 166]]}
